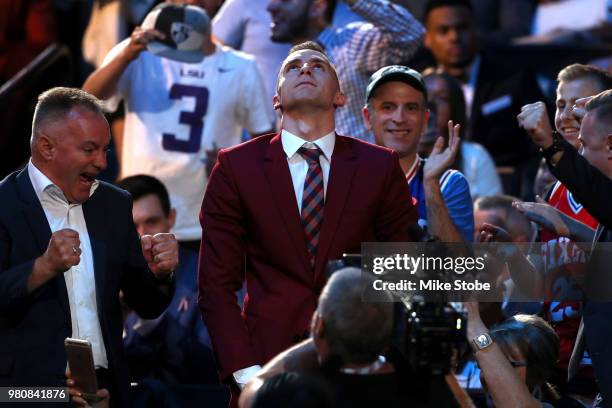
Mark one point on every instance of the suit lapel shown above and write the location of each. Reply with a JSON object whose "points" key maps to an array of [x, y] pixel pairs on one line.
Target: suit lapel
{"points": [[277, 172], [343, 166], [33, 211], [37, 221], [96, 221]]}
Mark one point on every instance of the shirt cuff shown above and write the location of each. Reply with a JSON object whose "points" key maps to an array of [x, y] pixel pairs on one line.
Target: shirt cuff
{"points": [[243, 376], [564, 146]]}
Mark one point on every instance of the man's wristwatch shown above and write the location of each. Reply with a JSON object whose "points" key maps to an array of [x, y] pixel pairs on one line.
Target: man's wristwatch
{"points": [[558, 145], [481, 342]]}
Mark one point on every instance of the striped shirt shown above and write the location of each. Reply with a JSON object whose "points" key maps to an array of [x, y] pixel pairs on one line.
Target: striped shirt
{"points": [[389, 35]]}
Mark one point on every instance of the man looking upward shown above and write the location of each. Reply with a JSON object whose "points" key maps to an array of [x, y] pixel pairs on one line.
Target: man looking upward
{"points": [[280, 206]]}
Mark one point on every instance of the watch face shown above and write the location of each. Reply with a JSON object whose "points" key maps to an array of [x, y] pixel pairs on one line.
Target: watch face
{"points": [[482, 340]]}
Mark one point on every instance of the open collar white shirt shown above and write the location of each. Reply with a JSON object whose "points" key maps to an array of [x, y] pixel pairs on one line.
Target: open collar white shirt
{"points": [[80, 279], [298, 167]]}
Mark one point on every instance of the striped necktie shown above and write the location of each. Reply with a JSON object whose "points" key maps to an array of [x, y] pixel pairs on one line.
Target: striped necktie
{"points": [[313, 201]]}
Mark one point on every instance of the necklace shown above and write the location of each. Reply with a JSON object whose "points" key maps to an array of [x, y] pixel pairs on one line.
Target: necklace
{"points": [[369, 369]]}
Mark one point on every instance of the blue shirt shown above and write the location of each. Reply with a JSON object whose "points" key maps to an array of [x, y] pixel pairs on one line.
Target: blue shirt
{"points": [[455, 192]]}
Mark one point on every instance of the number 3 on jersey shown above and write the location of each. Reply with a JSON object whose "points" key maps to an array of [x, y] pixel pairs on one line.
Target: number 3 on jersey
{"points": [[194, 119]]}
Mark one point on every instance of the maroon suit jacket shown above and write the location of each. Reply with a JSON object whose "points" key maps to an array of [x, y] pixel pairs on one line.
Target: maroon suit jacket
{"points": [[251, 227]]}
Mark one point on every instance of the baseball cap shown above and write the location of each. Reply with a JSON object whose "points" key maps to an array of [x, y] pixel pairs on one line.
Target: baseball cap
{"points": [[395, 73], [185, 27]]}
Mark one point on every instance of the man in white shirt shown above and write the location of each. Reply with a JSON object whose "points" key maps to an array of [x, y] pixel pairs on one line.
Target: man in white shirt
{"points": [[178, 114], [67, 246], [263, 213]]}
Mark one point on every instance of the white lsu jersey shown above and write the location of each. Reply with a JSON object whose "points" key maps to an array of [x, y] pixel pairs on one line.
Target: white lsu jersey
{"points": [[177, 111]]}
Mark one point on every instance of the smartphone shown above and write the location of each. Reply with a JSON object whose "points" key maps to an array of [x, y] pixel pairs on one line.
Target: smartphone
{"points": [[81, 364]]}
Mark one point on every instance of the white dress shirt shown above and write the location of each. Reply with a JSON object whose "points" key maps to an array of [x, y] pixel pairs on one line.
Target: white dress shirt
{"points": [[80, 279], [298, 166]]}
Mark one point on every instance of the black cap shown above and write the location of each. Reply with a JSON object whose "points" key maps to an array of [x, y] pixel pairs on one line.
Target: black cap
{"points": [[396, 73]]}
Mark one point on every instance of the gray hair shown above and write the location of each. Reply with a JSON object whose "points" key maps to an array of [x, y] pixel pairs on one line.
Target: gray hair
{"points": [[357, 331], [55, 103]]}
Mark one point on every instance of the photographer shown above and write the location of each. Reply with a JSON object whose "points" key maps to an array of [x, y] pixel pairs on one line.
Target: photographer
{"points": [[348, 337]]}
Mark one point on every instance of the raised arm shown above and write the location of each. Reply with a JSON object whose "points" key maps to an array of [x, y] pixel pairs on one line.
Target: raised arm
{"points": [[552, 219], [503, 383], [17, 282], [146, 279], [587, 184], [526, 271], [439, 222], [103, 82], [392, 38]]}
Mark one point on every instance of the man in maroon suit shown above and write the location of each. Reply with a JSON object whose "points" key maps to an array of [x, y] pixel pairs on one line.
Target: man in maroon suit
{"points": [[280, 206]]}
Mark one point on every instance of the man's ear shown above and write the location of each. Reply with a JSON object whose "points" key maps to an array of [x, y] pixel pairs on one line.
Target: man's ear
{"points": [[317, 327], [339, 99], [365, 112], [45, 146], [609, 145], [276, 103], [425, 120]]}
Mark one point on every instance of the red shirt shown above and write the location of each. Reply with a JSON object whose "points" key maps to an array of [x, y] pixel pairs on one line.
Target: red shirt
{"points": [[564, 261]]}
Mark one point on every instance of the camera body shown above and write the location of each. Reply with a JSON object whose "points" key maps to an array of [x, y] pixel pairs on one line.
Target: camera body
{"points": [[428, 337]]}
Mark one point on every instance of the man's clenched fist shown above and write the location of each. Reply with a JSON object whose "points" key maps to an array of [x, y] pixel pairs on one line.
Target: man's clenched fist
{"points": [[534, 119], [161, 253], [63, 251]]}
